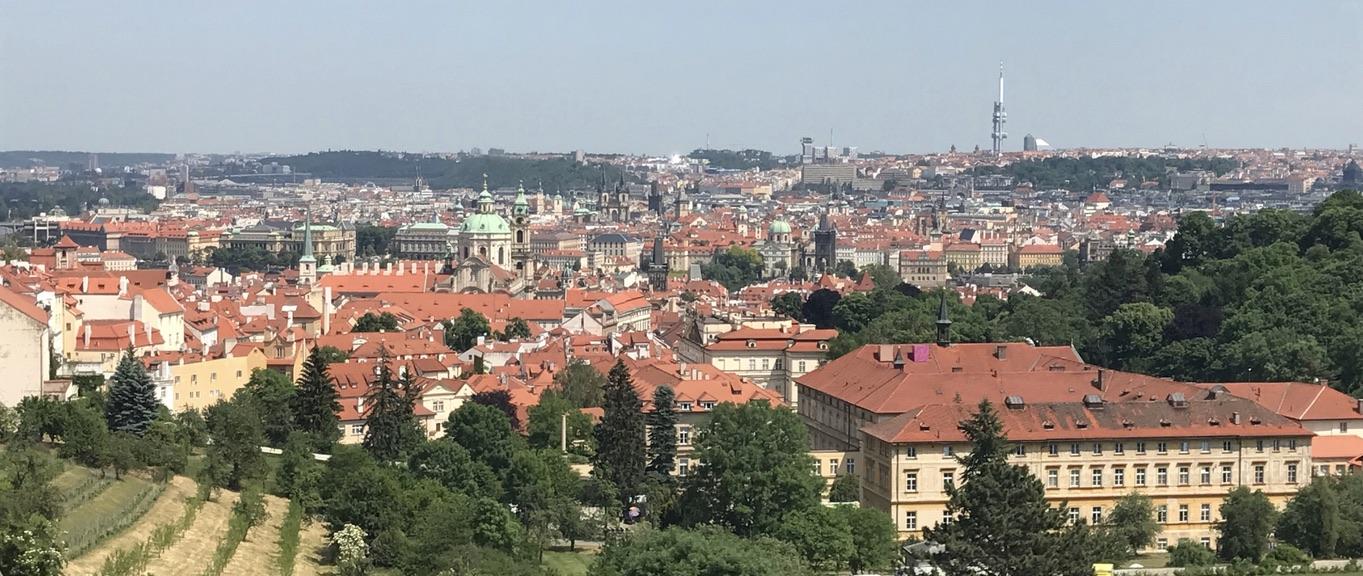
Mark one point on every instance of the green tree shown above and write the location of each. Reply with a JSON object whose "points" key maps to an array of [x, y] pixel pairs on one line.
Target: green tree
{"points": [[316, 403], [485, 432], [539, 483], [1247, 519], [846, 269], [1131, 523], [820, 534], [818, 308], [697, 552], [331, 355], [448, 463], [734, 268], [754, 469], [845, 488], [85, 438], [516, 329], [873, 538], [391, 429], [299, 475], [662, 433], [884, 276], [132, 403], [620, 437], [581, 385], [235, 436], [501, 400], [462, 332], [789, 304], [1132, 334], [371, 322], [1312, 519], [546, 420], [272, 395], [1001, 523]]}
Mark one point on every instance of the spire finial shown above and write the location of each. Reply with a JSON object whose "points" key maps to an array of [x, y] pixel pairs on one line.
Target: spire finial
{"points": [[943, 321], [485, 181]]}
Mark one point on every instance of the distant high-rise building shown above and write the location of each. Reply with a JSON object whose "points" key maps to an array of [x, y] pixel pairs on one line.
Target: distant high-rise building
{"points": [[92, 162], [1029, 143]]}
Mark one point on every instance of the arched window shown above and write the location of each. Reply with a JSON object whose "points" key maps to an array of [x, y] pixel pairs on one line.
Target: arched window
{"points": [[501, 255], [520, 236]]}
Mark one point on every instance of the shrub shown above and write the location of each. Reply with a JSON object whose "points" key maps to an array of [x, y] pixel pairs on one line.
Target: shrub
{"points": [[288, 538], [1188, 553]]}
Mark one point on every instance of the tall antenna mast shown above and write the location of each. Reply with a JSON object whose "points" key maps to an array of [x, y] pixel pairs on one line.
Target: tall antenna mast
{"points": [[1000, 117]]}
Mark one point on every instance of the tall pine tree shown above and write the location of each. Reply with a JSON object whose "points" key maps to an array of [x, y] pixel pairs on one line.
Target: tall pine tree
{"points": [[132, 403], [662, 433], [388, 433], [1001, 523], [620, 437], [316, 403]]}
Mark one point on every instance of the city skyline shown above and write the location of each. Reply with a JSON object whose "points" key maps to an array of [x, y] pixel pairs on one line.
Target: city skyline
{"points": [[309, 76]]}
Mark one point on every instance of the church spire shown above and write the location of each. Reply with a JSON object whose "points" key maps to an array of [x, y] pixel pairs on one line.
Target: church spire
{"points": [[943, 322], [307, 235]]}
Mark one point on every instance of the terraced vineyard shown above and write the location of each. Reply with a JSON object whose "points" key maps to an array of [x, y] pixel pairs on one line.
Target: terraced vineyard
{"points": [[161, 535]]}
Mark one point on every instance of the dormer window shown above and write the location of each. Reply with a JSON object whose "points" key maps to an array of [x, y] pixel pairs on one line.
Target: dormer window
{"points": [[684, 406], [707, 405], [752, 343]]}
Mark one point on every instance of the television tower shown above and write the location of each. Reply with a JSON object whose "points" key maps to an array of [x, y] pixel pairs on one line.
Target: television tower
{"points": [[1000, 117]]}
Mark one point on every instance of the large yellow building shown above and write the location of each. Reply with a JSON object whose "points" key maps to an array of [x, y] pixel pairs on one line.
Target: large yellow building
{"points": [[199, 385], [1089, 434]]}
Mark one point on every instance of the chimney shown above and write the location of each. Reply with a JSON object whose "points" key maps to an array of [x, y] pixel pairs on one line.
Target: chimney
{"points": [[481, 340], [85, 284], [1101, 381], [87, 337], [122, 285], [1001, 352], [1235, 416], [147, 329], [364, 268], [389, 270], [288, 323], [132, 334], [1359, 406], [885, 353]]}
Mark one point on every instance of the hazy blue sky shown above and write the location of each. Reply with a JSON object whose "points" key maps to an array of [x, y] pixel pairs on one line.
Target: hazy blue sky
{"points": [[290, 75]]}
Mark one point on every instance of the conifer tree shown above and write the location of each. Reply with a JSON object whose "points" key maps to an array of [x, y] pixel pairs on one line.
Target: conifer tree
{"points": [[1001, 523], [387, 432], [316, 403], [132, 403], [620, 437], [662, 433]]}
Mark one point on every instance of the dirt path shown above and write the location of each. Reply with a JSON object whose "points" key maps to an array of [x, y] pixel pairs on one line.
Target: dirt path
{"points": [[259, 553], [312, 542], [194, 551], [168, 508]]}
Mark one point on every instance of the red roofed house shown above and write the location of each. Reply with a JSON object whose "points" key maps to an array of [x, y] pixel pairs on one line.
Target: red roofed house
{"points": [[1091, 435], [25, 347], [769, 357]]}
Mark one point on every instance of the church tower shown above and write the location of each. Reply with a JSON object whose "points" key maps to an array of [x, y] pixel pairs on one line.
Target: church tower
{"points": [[621, 207], [307, 264], [657, 264], [655, 199], [520, 236], [825, 245]]}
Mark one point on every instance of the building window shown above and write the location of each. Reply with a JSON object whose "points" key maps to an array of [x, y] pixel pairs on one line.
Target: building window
{"points": [[707, 405], [1205, 513], [1162, 543], [1096, 515], [1074, 515], [910, 520], [1225, 474], [1206, 542], [1118, 448], [1291, 472], [685, 406], [1074, 449], [683, 466], [1119, 477], [1162, 447], [1019, 450], [1097, 447], [1052, 478], [1227, 446], [1258, 445], [1258, 473], [911, 481], [849, 466], [1053, 449], [356, 429], [1074, 477], [1097, 477], [683, 435], [1183, 476], [1343, 426], [1292, 444], [946, 518], [1140, 476], [1182, 446], [1140, 447], [1162, 476], [948, 478], [1182, 512], [1206, 475], [1277, 444], [752, 364], [947, 451], [1162, 513], [910, 451], [833, 467], [801, 368]]}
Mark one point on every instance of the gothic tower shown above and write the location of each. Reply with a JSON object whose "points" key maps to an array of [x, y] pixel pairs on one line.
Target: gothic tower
{"points": [[307, 264], [825, 245]]}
